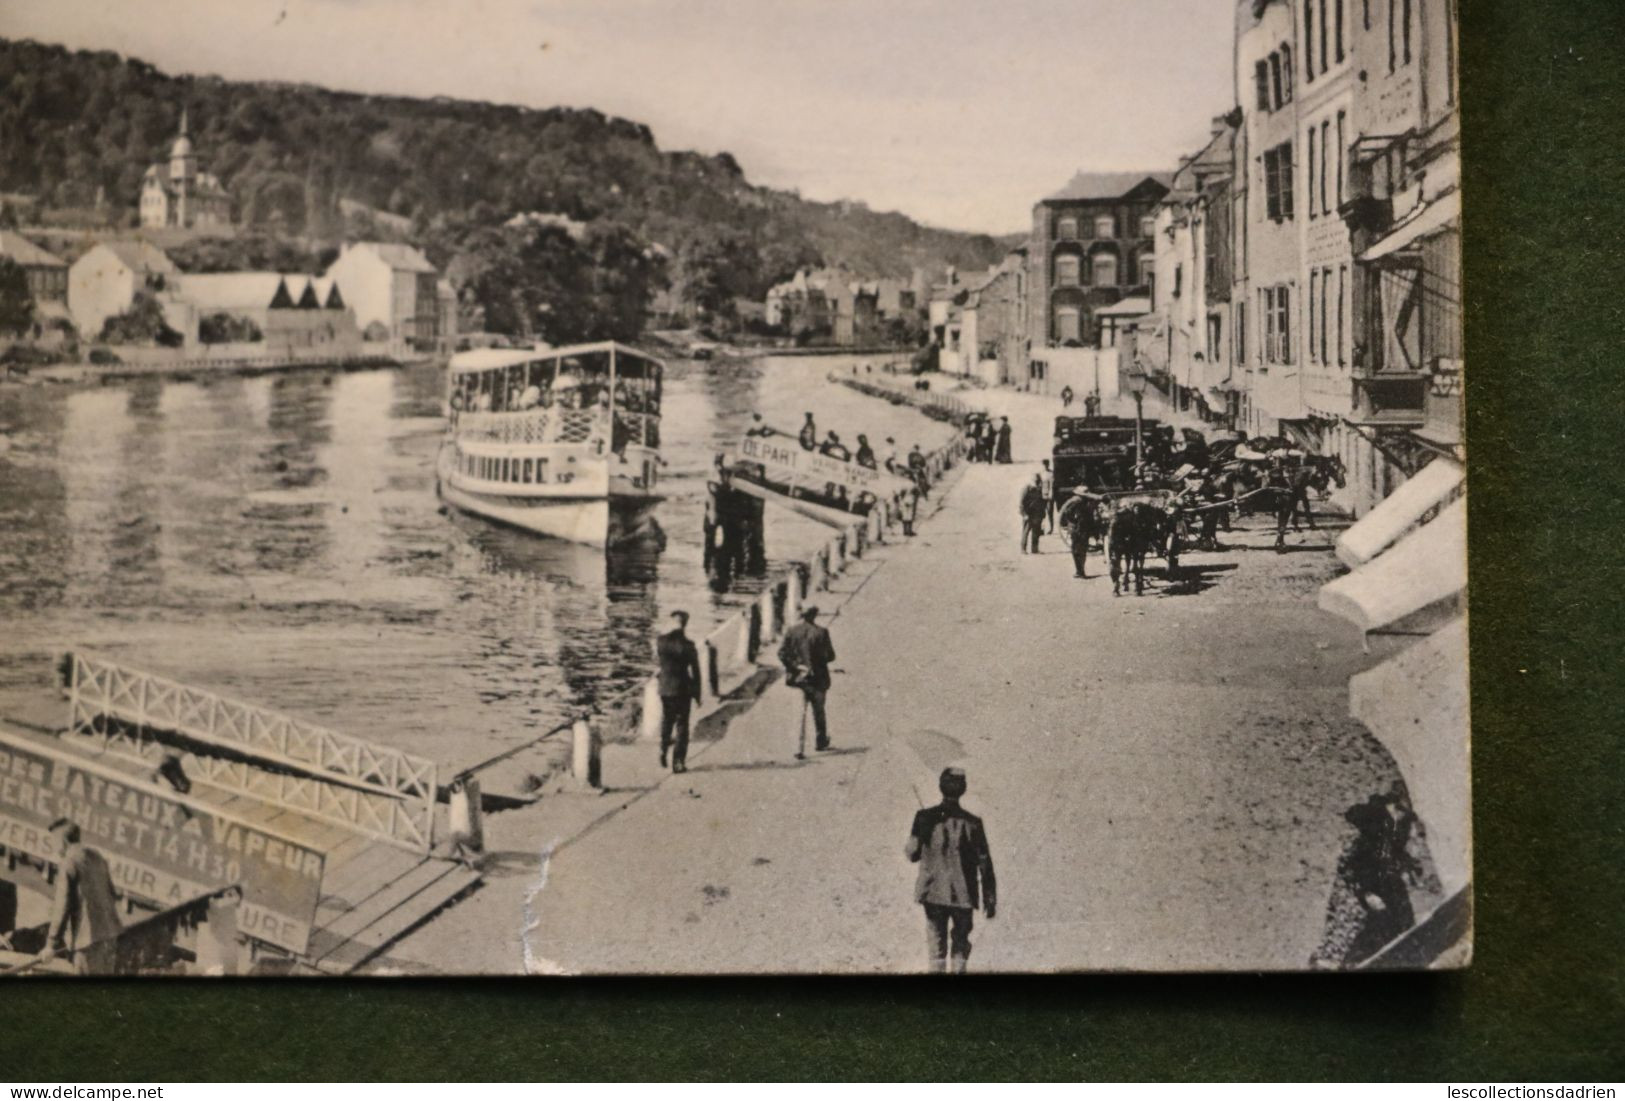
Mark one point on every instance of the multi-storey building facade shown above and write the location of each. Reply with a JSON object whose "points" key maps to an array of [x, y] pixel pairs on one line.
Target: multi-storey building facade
{"points": [[1092, 245], [1271, 345], [1347, 329], [1325, 106], [1403, 213], [1188, 336]]}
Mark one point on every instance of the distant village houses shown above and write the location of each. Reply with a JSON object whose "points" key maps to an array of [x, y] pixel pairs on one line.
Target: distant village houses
{"points": [[47, 277], [105, 281], [834, 305], [396, 295], [386, 296]]}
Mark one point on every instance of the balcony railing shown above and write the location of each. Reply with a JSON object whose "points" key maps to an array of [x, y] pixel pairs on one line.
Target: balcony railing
{"points": [[1390, 398]]}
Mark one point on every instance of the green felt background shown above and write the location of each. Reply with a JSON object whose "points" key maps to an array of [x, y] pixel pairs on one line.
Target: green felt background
{"points": [[1542, 93]]}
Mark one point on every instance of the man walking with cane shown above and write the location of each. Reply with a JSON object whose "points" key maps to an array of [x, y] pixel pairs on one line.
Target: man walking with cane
{"points": [[956, 873], [806, 653]]}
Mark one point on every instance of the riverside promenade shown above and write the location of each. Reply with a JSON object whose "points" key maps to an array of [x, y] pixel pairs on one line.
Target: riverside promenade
{"points": [[1163, 777]]}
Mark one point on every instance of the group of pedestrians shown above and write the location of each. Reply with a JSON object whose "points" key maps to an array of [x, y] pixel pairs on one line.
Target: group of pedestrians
{"points": [[948, 842], [987, 442]]}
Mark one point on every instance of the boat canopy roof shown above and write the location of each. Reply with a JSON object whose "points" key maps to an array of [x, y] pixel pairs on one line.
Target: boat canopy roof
{"points": [[629, 362]]}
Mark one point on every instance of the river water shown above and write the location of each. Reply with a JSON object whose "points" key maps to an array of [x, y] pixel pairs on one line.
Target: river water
{"points": [[279, 539]]}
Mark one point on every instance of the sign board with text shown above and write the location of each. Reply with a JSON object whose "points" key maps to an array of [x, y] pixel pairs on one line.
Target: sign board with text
{"points": [[162, 847], [789, 461]]}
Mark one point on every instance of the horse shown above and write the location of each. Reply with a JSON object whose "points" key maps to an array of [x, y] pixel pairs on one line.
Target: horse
{"points": [[1137, 529], [1079, 521]]}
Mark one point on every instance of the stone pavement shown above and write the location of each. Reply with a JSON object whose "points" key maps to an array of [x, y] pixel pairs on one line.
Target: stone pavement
{"points": [[1163, 777]]}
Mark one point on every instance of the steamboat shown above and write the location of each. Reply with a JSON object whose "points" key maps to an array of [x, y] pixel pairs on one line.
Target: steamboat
{"points": [[563, 442]]}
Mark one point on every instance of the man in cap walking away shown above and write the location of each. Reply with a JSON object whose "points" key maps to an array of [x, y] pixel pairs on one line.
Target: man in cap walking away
{"points": [[679, 690], [806, 653], [956, 873]]}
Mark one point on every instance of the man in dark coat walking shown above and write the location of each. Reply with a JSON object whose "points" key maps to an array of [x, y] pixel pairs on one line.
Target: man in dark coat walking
{"points": [[805, 654], [679, 691], [956, 873]]}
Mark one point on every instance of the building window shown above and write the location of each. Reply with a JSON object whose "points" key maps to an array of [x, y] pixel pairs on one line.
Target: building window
{"points": [[1393, 37], [1365, 14], [1308, 41], [1450, 47], [1339, 30], [1309, 145], [1241, 332], [1325, 134], [1278, 181], [1275, 80], [1066, 227], [1323, 31], [1066, 270], [1407, 31], [1067, 324], [1261, 76], [1266, 318], [1148, 274], [1286, 74], [1179, 280], [1283, 322], [1342, 291], [1314, 285], [1148, 226], [1342, 143], [1215, 335], [1104, 265], [1105, 226], [1325, 293]]}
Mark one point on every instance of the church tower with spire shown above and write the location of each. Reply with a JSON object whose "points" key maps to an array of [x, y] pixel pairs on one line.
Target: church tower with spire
{"points": [[180, 194]]}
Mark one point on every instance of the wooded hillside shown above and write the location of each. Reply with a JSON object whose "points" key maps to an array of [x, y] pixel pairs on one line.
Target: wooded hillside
{"points": [[77, 123]]}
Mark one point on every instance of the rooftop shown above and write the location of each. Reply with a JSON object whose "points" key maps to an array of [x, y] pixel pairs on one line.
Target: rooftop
{"points": [[1106, 185], [140, 255], [399, 257]]}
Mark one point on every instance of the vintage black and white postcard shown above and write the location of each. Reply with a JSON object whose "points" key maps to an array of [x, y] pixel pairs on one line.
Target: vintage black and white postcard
{"points": [[731, 486]]}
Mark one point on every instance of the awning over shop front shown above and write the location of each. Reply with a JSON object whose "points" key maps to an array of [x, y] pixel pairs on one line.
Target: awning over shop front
{"points": [[1416, 704], [1426, 566], [1433, 217], [1400, 511]]}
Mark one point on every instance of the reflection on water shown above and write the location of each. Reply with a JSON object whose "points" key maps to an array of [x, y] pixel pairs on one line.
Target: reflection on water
{"points": [[279, 538]]}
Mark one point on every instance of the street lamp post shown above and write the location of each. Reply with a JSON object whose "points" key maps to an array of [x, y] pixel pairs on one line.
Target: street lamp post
{"points": [[1137, 380]]}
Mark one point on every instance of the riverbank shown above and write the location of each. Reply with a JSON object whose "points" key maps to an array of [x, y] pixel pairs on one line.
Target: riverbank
{"points": [[193, 367]]}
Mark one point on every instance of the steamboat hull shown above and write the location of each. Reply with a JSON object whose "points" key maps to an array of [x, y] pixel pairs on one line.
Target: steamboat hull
{"points": [[593, 521]]}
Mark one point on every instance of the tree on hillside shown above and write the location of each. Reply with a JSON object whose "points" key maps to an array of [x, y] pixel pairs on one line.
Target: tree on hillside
{"points": [[16, 303], [542, 281], [715, 265], [249, 252]]}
